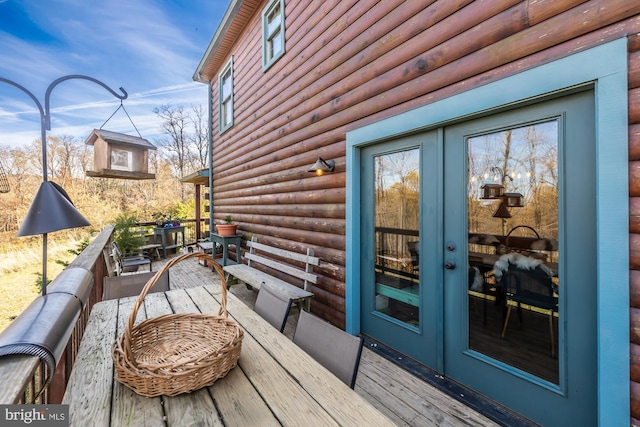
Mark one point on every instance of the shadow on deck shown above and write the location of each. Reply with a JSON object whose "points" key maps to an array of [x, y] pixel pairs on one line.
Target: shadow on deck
{"points": [[402, 396]]}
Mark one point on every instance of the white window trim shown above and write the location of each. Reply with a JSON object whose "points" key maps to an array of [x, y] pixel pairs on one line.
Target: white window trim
{"points": [[267, 63], [221, 126]]}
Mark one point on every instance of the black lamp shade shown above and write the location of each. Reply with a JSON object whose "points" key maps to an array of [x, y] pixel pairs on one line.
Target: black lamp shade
{"points": [[51, 210], [502, 211]]}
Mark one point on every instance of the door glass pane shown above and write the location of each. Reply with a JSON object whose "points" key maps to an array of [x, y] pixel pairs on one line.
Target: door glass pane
{"points": [[397, 260], [513, 247]]}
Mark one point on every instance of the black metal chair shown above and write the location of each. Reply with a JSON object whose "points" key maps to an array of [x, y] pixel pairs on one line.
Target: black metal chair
{"points": [[533, 287], [415, 256], [272, 307], [332, 347]]}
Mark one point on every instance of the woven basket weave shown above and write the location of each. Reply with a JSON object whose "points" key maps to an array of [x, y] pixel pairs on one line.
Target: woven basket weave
{"points": [[176, 353]]}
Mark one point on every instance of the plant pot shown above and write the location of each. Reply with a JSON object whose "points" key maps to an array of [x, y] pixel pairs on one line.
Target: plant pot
{"points": [[227, 229]]}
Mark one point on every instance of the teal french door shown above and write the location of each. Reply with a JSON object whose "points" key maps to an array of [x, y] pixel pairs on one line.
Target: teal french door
{"points": [[449, 214]]}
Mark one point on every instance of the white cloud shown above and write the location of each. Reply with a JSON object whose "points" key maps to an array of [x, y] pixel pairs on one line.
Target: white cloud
{"points": [[150, 51]]}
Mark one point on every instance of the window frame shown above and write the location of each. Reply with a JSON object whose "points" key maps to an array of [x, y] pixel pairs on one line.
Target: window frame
{"points": [[268, 36], [222, 100]]}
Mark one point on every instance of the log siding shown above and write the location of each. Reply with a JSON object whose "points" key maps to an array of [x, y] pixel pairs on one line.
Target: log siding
{"points": [[350, 63]]}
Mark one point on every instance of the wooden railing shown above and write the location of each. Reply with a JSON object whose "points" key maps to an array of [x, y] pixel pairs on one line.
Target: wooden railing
{"points": [[190, 234], [22, 376]]}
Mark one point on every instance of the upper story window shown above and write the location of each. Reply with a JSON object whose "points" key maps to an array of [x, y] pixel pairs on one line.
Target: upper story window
{"points": [[272, 33], [225, 84]]}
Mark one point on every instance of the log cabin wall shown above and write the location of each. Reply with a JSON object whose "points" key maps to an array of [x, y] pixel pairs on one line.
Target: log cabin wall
{"points": [[634, 221], [349, 63]]}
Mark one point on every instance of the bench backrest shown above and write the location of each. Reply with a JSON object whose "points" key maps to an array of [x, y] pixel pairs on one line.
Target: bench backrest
{"points": [[308, 259]]}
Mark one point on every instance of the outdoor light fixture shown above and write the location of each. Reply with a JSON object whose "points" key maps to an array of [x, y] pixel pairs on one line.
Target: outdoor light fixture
{"points": [[321, 166], [52, 209]]}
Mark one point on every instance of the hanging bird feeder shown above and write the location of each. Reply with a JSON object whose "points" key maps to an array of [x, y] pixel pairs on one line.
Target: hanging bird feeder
{"points": [[117, 155]]}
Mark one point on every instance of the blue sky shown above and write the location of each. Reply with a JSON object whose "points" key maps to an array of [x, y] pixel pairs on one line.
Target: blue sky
{"points": [[151, 48]]}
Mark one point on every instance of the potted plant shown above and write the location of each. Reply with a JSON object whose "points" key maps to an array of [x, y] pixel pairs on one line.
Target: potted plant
{"points": [[228, 228]]}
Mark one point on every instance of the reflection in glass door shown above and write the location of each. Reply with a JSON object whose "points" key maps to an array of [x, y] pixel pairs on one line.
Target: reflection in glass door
{"points": [[396, 242], [513, 247]]}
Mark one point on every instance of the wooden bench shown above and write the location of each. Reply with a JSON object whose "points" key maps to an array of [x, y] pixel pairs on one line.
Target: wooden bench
{"points": [[253, 277]]}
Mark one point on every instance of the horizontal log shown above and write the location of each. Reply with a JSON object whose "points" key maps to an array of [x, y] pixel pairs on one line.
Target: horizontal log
{"points": [[633, 42], [635, 362], [634, 178], [305, 181], [314, 225], [334, 316], [634, 69], [334, 195], [634, 106], [282, 165], [634, 215], [634, 321], [541, 10], [635, 399], [634, 142], [333, 210], [634, 288], [634, 259], [329, 297], [325, 240]]}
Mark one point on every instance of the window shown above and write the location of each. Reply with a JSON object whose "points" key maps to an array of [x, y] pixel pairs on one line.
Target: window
{"points": [[272, 33], [225, 83]]}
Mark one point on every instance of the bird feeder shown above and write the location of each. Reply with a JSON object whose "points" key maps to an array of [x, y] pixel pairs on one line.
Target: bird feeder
{"points": [[116, 155]]}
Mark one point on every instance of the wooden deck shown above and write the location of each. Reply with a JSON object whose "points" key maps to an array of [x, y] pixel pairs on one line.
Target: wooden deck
{"points": [[402, 396]]}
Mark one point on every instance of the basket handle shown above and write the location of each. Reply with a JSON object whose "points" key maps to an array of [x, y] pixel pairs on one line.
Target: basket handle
{"points": [[506, 242], [151, 282]]}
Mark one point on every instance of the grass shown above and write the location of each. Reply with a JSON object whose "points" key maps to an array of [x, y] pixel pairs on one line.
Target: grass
{"points": [[19, 270]]}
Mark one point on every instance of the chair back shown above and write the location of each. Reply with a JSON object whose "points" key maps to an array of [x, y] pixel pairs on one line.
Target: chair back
{"points": [[272, 307], [415, 255], [532, 286], [332, 347], [117, 253]]}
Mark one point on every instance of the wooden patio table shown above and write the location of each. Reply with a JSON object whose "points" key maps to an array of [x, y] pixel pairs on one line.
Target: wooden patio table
{"points": [[275, 382]]}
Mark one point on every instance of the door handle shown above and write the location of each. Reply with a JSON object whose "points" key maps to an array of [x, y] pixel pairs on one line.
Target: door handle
{"points": [[449, 265]]}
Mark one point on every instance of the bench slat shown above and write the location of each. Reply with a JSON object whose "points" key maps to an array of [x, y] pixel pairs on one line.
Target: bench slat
{"points": [[307, 259], [292, 271], [254, 277]]}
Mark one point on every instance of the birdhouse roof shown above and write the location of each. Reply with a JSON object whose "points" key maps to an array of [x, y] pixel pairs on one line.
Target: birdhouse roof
{"points": [[119, 139]]}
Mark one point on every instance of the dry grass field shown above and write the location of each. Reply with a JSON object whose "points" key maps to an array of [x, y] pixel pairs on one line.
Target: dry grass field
{"points": [[19, 269]]}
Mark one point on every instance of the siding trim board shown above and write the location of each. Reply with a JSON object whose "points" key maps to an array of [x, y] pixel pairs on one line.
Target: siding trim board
{"points": [[606, 67]]}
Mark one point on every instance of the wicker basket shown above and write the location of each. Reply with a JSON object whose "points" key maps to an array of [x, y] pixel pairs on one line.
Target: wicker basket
{"points": [[176, 353]]}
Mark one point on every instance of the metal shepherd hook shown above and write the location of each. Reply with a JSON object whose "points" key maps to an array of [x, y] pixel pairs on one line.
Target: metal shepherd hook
{"points": [[52, 209]]}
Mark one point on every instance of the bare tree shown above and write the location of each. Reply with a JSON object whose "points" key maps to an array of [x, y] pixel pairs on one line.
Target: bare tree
{"points": [[175, 126], [200, 137]]}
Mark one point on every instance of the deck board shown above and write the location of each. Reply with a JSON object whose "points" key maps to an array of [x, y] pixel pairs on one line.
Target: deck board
{"points": [[400, 395]]}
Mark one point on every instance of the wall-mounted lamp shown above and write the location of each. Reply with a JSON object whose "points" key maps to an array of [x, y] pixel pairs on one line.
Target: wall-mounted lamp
{"points": [[321, 166]]}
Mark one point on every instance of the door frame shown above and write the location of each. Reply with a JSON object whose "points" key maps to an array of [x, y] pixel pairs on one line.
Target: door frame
{"points": [[605, 67]]}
